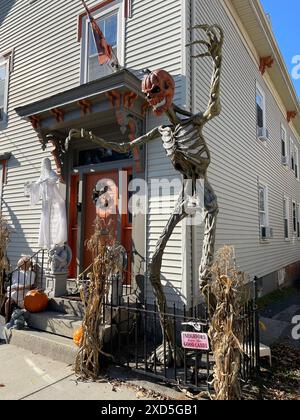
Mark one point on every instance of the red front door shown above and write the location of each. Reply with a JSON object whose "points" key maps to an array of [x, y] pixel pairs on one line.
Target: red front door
{"points": [[99, 180], [122, 223]]}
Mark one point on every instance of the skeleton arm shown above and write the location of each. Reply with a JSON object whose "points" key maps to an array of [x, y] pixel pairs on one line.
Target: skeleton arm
{"points": [[214, 45], [123, 147]]}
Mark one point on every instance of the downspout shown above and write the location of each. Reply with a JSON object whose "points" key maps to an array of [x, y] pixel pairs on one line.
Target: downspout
{"points": [[192, 104]]}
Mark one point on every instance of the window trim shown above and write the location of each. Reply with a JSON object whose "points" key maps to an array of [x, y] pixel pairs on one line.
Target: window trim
{"points": [[292, 154], [262, 93], [266, 212], [282, 128], [107, 9], [3, 169], [5, 60], [294, 217], [298, 221], [286, 202]]}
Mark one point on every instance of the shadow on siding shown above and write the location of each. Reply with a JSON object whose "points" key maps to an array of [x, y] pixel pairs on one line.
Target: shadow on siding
{"points": [[5, 7]]}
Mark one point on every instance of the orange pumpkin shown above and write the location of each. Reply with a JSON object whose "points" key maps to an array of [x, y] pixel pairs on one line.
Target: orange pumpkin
{"points": [[36, 301], [77, 337]]}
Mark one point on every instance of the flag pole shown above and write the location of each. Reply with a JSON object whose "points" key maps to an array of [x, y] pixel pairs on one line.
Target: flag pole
{"points": [[115, 64]]}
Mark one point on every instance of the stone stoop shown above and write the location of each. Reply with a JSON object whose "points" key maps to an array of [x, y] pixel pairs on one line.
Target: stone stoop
{"points": [[54, 347], [55, 323], [67, 306]]}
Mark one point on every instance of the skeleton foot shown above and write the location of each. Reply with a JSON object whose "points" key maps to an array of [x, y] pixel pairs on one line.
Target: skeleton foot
{"points": [[163, 355]]}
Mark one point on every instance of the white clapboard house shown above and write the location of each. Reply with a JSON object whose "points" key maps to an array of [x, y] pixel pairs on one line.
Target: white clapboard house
{"points": [[50, 82]]}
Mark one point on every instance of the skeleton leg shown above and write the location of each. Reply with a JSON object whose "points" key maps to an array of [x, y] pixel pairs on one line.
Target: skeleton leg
{"points": [[155, 276], [211, 213]]}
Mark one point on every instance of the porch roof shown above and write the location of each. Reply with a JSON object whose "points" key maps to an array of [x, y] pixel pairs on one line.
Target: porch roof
{"points": [[89, 94], [114, 100]]}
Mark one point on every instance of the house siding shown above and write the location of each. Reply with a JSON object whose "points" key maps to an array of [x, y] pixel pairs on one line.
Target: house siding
{"points": [[46, 62], [156, 42], [239, 159]]}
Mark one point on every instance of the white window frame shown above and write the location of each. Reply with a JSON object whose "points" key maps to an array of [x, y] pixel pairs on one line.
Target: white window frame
{"points": [[296, 161], [292, 154], [5, 61], [3, 169], [286, 209], [294, 219], [118, 7], [262, 94], [266, 212], [298, 221], [283, 129]]}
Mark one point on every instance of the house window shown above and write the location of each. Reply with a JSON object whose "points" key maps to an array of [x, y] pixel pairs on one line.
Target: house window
{"points": [[284, 151], [296, 162], [292, 154], [294, 217], [286, 211], [2, 180], [260, 108], [263, 210], [111, 22], [4, 74], [298, 221]]}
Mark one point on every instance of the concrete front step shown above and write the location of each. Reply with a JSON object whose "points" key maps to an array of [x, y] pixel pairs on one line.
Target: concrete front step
{"points": [[56, 348], [67, 306], [55, 323]]}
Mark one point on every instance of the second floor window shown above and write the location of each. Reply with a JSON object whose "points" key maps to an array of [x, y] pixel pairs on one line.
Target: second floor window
{"points": [[292, 154], [296, 163], [260, 108], [109, 27], [4, 72], [110, 19], [284, 151]]}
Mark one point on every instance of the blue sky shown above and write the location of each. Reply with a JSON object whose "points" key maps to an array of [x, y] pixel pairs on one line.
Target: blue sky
{"points": [[285, 16]]}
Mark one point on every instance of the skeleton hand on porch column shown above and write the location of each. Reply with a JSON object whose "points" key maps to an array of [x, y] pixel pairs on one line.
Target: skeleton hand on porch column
{"points": [[123, 147]]}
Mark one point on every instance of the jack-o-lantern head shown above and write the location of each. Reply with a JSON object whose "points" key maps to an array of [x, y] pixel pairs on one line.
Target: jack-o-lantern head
{"points": [[159, 88]]}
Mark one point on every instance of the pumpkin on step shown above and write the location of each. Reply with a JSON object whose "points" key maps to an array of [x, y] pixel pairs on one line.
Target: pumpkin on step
{"points": [[77, 337], [36, 301]]}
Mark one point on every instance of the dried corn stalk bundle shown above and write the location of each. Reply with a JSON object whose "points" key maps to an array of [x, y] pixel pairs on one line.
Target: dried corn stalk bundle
{"points": [[4, 265], [105, 264], [228, 287]]}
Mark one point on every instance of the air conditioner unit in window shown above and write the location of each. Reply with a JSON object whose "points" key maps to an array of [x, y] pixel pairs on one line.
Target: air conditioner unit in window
{"points": [[262, 134], [267, 233], [285, 160]]}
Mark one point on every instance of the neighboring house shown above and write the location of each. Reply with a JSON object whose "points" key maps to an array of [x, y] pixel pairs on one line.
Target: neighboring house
{"points": [[50, 82]]}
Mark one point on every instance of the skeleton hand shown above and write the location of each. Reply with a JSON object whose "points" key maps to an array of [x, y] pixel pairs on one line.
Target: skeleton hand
{"points": [[214, 42]]}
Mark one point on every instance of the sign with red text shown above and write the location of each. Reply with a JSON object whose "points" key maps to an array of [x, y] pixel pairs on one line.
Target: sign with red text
{"points": [[195, 341]]}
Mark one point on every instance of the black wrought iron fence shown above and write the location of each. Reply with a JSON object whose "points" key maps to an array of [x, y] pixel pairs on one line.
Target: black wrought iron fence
{"points": [[24, 278], [134, 337]]}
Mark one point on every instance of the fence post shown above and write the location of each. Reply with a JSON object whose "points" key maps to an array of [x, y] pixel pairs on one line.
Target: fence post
{"points": [[257, 331]]}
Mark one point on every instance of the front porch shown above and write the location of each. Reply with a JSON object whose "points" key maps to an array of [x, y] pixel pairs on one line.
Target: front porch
{"points": [[113, 108]]}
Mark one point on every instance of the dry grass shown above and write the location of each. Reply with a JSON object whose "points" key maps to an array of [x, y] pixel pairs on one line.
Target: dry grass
{"points": [[228, 288], [105, 264], [4, 265]]}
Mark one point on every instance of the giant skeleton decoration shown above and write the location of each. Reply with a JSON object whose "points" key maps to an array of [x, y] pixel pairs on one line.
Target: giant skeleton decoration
{"points": [[185, 146]]}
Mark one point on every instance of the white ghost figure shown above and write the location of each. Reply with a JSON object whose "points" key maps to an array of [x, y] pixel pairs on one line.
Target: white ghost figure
{"points": [[53, 226]]}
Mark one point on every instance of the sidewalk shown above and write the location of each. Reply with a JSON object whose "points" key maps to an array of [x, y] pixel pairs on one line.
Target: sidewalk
{"points": [[27, 376]]}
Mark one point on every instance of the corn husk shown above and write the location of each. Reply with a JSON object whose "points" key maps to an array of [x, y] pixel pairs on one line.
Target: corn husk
{"points": [[229, 289]]}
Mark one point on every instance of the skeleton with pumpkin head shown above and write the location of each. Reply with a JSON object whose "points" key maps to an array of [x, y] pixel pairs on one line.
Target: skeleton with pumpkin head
{"points": [[185, 146]]}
